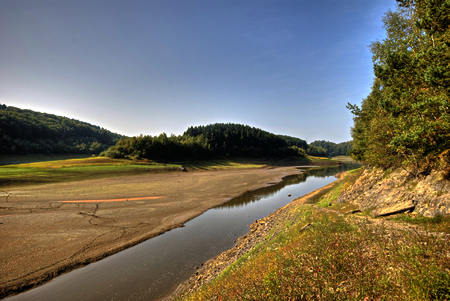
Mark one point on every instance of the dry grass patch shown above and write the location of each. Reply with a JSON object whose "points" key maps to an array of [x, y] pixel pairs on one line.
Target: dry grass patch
{"points": [[337, 259]]}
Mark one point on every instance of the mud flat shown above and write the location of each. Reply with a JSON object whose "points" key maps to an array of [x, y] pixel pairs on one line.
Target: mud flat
{"points": [[47, 230]]}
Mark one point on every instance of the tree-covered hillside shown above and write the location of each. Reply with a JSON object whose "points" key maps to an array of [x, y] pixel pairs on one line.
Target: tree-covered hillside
{"points": [[31, 132], [209, 141], [331, 149], [405, 120], [291, 141]]}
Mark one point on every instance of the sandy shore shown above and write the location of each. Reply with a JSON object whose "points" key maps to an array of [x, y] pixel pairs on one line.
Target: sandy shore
{"points": [[50, 229]]}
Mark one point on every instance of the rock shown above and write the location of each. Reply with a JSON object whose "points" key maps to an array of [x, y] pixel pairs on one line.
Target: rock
{"points": [[396, 191], [396, 208]]}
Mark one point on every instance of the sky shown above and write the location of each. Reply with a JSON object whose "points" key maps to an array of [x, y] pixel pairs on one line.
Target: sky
{"points": [[147, 67]]}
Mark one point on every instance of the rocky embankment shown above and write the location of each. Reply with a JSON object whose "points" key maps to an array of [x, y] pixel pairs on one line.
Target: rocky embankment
{"points": [[386, 192]]}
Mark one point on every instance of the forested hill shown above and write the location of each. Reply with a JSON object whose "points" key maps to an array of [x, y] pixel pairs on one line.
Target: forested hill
{"points": [[238, 139], [330, 149], [209, 141], [30, 132], [291, 141]]}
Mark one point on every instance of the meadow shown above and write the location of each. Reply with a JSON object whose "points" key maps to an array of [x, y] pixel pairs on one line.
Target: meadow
{"points": [[55, 171], [44, 169]]}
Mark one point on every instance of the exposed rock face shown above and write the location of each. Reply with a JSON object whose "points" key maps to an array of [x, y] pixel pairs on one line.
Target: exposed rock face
{"points": [[389, 192]]}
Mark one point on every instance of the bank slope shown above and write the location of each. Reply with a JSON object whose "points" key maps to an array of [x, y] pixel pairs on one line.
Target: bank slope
{"points": [[311, 249]]}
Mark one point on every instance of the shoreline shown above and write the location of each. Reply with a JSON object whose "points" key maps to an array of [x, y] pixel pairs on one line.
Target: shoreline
{"points": [[258, 232], [84, 216]]}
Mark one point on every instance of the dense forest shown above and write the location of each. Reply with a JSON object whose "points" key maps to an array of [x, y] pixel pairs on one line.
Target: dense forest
{"points": [[31, 132], [291, 141], [209, 141], [324, 148], [405, 120]]}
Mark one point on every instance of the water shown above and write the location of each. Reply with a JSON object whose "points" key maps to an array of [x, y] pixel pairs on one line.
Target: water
{"points": [[154, 268]]}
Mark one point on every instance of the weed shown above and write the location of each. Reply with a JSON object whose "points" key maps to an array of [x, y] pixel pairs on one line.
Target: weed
{"points": [[438, 223], [338, 259]]}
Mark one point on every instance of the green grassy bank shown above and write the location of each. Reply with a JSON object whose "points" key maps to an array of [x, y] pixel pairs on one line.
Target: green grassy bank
{"points": [[75, 170], [52, 169], [337, 257]]}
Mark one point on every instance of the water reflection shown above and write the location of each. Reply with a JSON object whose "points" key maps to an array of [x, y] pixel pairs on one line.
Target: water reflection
{"points": [[267, 192], [154, 268]]}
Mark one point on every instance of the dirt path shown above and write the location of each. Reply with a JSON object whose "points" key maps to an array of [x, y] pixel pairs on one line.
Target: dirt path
{"points": [[45, 232]]}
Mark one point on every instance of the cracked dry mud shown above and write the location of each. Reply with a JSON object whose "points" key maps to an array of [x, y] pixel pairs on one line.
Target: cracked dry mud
{"points": [[42, 236]]}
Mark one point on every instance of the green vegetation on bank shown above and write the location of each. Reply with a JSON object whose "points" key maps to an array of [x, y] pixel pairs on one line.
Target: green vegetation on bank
{"points": [[405, 120], [31, 132], [44, 170], [338, 257], [438, 223], [75, 170]]}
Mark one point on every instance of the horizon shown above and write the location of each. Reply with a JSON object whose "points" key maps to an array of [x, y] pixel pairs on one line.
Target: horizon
{"points": [[285, 67], [168, 134]]}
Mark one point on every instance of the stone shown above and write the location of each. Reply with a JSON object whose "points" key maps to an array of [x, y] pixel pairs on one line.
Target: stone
{"points": [[393, 209]]}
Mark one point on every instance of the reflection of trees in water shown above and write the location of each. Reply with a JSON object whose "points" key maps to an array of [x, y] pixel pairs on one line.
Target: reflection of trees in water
{"points": [[331, 171], [254, 196]]}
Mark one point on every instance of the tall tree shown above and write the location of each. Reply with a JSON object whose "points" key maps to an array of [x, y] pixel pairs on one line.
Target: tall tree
{"points": [[405, 120]]}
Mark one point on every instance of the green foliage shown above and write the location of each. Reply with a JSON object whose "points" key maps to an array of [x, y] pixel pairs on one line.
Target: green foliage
{"points": [[30, 132], [202, 142], [316, 151], [438, 223], [333, 149], [293, 141], [405, 121]]}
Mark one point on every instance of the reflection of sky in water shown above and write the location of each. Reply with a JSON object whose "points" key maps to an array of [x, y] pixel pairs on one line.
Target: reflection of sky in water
{"points": [[154, 268]]}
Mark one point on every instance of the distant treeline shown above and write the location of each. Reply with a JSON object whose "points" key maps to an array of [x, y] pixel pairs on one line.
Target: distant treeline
{"points": [[216, 140], [209, 141], [31, 132], [324, 148]]}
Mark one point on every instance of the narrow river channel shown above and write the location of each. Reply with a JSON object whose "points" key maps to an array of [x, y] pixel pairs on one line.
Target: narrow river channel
{"points": [[154, 268]]}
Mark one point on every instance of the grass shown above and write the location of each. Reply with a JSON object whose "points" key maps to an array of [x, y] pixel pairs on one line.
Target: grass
{"points": [[21, 159], [100, 167], [436, 224], [43, 169], [222, 164], [327, 197], [74, 169], [337, 259]]}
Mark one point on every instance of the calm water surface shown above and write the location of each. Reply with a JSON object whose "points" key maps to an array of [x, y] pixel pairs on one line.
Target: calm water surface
{"points": [[154, 268]]}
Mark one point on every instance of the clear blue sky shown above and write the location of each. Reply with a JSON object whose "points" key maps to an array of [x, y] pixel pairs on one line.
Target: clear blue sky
{"points": [[287, 67]]}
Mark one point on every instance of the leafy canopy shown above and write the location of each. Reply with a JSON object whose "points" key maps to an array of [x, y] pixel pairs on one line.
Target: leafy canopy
{"points": [[405, 120]]}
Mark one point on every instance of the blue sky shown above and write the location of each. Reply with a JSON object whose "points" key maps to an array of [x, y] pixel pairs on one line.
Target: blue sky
{"points": [[288, 67]]}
